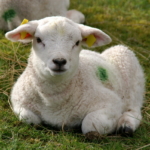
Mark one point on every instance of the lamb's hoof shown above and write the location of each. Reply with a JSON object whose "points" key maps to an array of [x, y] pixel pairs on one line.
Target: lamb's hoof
{"points": [[125, 131], [93, 135]]}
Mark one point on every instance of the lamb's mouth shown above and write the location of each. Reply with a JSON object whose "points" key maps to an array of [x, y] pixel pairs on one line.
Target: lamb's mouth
{"points": [[59, 71]]}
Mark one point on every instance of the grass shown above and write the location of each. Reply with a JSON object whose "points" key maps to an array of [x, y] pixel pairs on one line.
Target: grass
{"points": [[127, 23]]}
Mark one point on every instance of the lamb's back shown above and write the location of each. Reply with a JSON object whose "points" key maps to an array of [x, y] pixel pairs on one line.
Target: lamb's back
{"points": [[101, 71]]}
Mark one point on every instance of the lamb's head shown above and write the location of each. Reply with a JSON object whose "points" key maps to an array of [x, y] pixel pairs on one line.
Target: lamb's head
{"points": [[57, 43]]}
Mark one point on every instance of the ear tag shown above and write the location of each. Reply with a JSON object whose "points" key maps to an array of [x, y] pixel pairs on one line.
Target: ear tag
{"points": [[24, 21], [90, 40], [24, 35]]}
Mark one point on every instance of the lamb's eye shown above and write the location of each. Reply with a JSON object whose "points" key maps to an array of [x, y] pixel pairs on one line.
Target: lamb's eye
{"points": [[38, 40], [77, 43]]}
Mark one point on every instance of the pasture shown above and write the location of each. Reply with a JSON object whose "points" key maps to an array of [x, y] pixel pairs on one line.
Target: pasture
{"points": [[128, 23]]}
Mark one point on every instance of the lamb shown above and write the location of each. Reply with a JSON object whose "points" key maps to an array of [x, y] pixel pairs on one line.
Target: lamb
{"points": [[12, 12], [66, 86]]}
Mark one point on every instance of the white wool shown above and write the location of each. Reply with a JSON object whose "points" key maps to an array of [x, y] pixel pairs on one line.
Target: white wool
{"points": [[100, 92], [12, 12]]}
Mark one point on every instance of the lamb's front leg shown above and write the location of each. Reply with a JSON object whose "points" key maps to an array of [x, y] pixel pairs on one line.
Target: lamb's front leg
{"points": [[100, 121], [27, 115], [129, 122]]}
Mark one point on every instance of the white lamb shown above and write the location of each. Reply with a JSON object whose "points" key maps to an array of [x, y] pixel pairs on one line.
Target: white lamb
{"points": [[12, 12], [66, 87]]}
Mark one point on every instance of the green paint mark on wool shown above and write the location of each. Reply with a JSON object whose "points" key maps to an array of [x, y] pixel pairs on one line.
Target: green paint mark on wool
{"points": [[9, 14], [102, 74]]}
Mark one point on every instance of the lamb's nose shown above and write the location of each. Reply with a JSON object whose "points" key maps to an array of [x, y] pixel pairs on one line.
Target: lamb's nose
{"points": [[60, 61]]}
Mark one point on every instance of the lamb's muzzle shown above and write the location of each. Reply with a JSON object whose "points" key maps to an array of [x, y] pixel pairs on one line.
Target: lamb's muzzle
{"points": [[59, 64]]}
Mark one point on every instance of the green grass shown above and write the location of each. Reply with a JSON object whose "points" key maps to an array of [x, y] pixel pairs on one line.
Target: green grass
{"points": [[127, 22]]}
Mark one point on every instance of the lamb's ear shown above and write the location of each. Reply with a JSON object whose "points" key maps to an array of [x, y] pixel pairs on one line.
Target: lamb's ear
{"points": [[23, 33], [93, 37]]}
